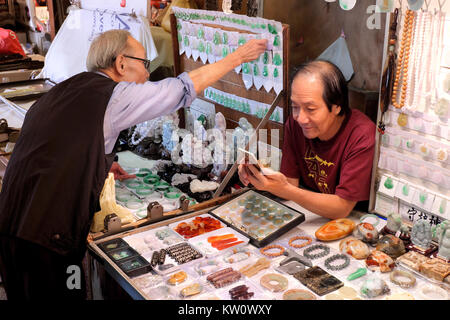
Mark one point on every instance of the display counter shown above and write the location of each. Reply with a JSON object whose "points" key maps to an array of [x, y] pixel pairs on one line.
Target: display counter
{"points": [[294, 265]]}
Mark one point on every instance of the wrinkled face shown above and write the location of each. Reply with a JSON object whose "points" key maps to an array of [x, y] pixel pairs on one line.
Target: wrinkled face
{"points": [[134, 69], [309, 109]]}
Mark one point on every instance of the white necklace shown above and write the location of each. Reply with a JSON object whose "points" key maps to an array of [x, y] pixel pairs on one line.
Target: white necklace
{"points": [[425, 63], [419, 40], [412, 62]]}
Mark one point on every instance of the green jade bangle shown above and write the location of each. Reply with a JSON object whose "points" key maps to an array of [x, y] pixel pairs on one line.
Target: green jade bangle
{"points": [[172, 194], [143, 172], [133, 184], [151, 179], [144, 190]]}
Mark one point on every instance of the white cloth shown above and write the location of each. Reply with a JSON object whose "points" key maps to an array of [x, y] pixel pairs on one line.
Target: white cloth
{"points": [[338, 54], [68, 52]]}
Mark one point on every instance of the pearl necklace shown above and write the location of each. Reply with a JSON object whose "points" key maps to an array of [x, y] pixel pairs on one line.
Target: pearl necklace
{"points": [[403, 61], [439, 25], [140, 129]]}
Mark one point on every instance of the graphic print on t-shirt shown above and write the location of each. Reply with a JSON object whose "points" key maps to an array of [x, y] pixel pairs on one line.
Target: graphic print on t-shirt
{"points": [[317, 170]]}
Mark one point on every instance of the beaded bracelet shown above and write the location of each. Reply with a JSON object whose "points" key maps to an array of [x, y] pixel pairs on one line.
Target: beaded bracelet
{"points": [[298, 246], [396, 274], [325, 251], [337, 257], [272, 246]]}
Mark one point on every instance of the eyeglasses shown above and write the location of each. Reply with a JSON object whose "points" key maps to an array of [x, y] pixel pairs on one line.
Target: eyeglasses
{"points": [[144, 61]]}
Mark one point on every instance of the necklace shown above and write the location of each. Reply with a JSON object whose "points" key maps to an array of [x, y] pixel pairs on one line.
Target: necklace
{"points": [[419, 36], [403, 61], [414, 57]]}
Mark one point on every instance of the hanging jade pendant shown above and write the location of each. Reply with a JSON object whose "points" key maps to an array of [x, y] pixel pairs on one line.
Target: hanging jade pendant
{"points": [[275, 73], [246, 68], [402, 120], [265, 71], [216, 38], [405, 190], [208, 48], [186, 41], [180, 37], [201, 46], [277, 116], [224, 52], [241, 41], [389, 184], [225, 38], [277, 60], [255, 70], [200, 33], [266, 58], [276, 41], [442, 206], [423, 197]]}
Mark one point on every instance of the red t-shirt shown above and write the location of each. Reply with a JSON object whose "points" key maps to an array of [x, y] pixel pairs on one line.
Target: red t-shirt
{"points": [[341, 165]]}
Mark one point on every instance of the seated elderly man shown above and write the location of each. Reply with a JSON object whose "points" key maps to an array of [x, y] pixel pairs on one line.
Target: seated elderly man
{"points": [[54, 178], [328, 147]]}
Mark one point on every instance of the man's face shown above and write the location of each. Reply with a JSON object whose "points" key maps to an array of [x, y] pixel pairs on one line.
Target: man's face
{"points": [[134, 69], [309, 109]]}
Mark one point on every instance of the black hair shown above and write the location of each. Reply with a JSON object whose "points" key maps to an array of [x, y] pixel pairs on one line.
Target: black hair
{"points": [[335, 90]]}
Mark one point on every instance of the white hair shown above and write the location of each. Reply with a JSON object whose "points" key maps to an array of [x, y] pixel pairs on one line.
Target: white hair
{"points": [[105, 48]]}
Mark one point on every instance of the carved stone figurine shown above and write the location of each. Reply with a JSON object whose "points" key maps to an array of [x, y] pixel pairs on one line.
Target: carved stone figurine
{"points": [[394, 223], [421, 234], [442, 233]]}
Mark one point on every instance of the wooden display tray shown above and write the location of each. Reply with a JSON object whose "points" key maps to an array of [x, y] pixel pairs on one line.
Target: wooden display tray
{"points": [[232, 83]]}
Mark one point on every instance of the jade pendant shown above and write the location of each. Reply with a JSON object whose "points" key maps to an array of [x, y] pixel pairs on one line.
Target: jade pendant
{"points": [[208, 48], [241, 41], [275, 73], [276, 41], [224, 51], [200, 33], [423, 197], [358, 273], [442, 206], [277, 60], [255, 70], [186, 41], [225, 38], [246, 68], [266, 58], [402, 120], [265, 71], [405, 190], [389, 184], [216, 38], [180, 37], [201, 46]]}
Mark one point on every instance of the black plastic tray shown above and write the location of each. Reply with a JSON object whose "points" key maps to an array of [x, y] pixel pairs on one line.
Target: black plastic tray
{"points": [[271, 237]]}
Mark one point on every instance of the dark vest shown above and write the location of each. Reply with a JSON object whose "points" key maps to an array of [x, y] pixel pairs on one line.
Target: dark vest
{"points": [[56, 173]]}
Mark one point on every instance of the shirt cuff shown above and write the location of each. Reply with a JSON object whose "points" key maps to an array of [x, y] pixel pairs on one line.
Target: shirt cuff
{"points": [[191, 95]]}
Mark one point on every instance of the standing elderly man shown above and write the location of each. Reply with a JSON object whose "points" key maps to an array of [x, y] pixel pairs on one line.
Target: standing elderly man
{"points": [[328, 147], [56, 173]]}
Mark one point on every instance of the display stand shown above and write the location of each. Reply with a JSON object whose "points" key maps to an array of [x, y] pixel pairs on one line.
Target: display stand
{"points": [[232, 83]]}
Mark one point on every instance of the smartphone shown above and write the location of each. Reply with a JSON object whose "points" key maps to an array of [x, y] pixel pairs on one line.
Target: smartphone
{"points": [[250, 158]]}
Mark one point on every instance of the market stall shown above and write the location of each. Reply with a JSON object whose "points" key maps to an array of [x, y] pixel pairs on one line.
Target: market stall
{"points": [[247, 245]]}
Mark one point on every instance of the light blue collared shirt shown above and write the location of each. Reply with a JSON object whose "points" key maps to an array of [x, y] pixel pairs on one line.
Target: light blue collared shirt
{"points": [[133, 103]]}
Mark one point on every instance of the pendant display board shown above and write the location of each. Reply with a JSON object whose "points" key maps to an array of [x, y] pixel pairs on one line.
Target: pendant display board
{"points": [[200, 37], [411, 172]]}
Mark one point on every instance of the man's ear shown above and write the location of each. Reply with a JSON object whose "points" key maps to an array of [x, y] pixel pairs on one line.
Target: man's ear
{"points": [[120, 65], [336, 109]]}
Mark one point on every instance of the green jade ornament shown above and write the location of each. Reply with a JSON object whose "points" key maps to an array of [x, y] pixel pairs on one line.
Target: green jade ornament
{"points": [[216, 38], [277, 60], [389, 184], [357, 274], [265, 71]]}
